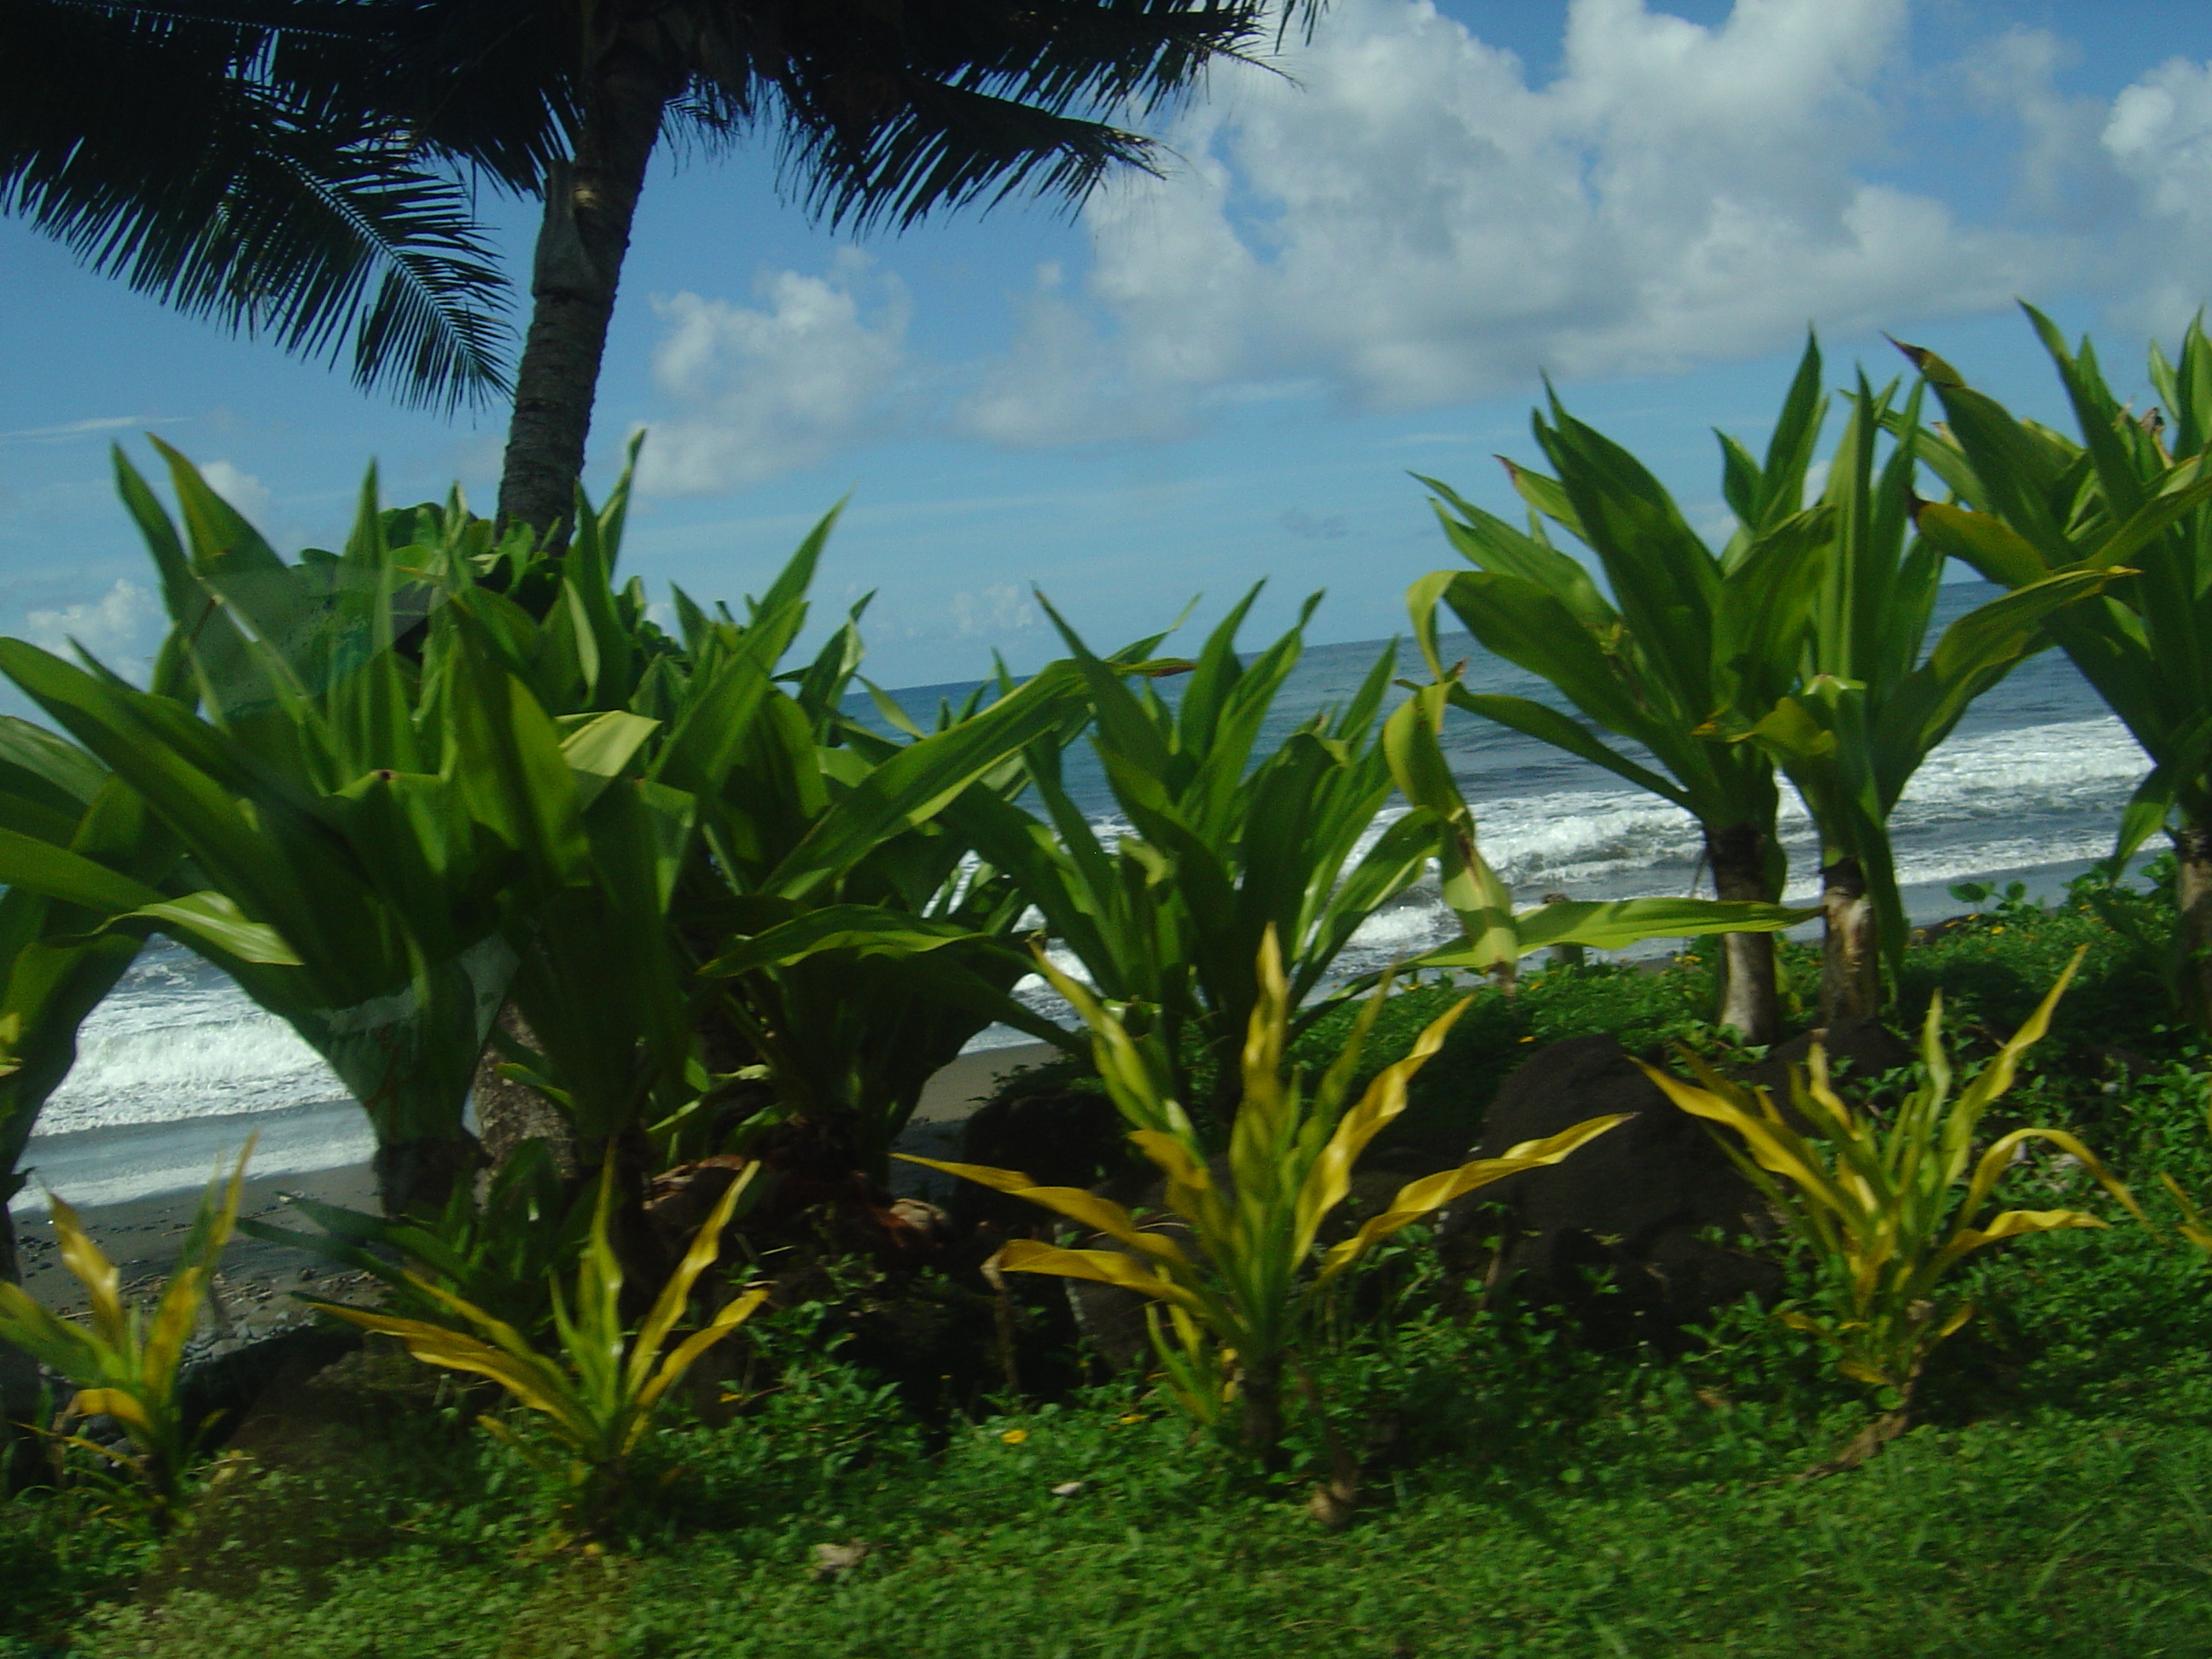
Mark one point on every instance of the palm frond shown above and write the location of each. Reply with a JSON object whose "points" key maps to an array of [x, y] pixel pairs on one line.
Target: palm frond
{"points": [[159, 146], [950, 102]]}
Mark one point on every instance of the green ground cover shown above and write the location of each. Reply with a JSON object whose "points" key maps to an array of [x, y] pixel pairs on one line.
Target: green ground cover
{"points": [[1519, 1495]]}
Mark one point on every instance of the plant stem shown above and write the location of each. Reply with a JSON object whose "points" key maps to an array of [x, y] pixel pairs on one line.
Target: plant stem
{"points": [[1750, 1000], [2192, 851], [1851, 958], [1260, 1388], [415, 1177]]}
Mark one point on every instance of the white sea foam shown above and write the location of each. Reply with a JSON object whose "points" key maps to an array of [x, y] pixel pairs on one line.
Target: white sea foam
{"points": [[177, 1042]]}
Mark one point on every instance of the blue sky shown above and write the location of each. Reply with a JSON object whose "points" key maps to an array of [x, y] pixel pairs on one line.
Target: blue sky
{"points": [[1353, 269]]}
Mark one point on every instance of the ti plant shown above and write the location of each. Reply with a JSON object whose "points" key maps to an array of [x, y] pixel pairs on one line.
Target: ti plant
{"points": [[124, 1363], [1687, 639], [1494, 937], [859, 944], [1869, 709], [89, 873], [1889, 1209], [1222, 848], [499, 1253], [1244, 1296], [2132, 491], [361, 776], [599, 1396]]}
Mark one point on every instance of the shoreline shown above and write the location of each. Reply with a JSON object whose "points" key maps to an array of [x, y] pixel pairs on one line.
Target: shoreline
{"points": [[255, 1287], [141, 1232]]}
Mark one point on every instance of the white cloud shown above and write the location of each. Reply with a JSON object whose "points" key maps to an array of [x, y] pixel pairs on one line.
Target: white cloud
{"points": [[79, 428], [767, 392], [2159, 137], [116, 627], [1408, 220], [1405, 218], [241, 490], [992, 613]]}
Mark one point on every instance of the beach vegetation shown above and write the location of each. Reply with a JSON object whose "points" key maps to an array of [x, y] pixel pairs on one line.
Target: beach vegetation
{"points": [[346, 793], [2028, 502], [1241, 1292], [727, 914], [1890, 1208], [1494, 937], [1685, 641], [598, 1394], [499, 1251], [1875, 701], [90, 874], [1225, 845], [125, 1361], [1499, 1460], [859, 936]]}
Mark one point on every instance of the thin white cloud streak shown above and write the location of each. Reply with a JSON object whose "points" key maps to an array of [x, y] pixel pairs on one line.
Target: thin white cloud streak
{"points": [[69, 429]]}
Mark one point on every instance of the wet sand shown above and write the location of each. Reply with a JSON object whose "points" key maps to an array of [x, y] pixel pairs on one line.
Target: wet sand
{"points": [[259, 1281]]}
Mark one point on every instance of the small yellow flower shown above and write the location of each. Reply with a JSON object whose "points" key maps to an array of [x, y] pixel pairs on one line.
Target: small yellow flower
{"points": [[1130, 1417], [1015, 1437], [1996, 930], [1529, 1039]]}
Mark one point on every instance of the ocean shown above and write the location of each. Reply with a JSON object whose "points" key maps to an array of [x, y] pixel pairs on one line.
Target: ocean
{"points": [[177, 1065]]}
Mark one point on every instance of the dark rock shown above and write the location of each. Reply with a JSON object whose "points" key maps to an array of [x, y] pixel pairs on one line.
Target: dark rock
{"points": [[220, 1390], [1858, 1050], [1615, 1233], [1061, 1138]]}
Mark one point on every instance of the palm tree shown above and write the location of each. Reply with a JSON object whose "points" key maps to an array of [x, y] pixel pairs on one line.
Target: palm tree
{"points": [[1873, 701], [2128, 497], [1689, 644], [885, 110], [197, 150]]}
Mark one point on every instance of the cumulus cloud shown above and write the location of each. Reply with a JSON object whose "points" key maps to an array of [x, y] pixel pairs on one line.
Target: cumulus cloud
{"points": [[1405, 219], [992, 612], [117, 628], [764, 391], [2159, 137], [241, 490]]}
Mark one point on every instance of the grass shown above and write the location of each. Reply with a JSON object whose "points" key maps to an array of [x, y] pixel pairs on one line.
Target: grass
{"points": [[1521, 1497]]}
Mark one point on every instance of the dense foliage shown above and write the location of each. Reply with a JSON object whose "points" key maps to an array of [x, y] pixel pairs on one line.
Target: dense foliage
{"points": [[452, 782]]}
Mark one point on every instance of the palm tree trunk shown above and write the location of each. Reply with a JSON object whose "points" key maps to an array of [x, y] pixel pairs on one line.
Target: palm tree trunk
{"points": [[581, 243], [2192, 852], [1750, 1000], [1850, 961], [509, 1113], [417, 1177]]}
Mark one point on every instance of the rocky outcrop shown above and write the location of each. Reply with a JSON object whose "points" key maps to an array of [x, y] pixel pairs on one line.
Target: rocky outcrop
{"points": [[1621, 1233]]}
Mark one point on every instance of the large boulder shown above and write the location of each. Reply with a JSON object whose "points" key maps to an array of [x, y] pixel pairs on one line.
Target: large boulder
{"points": [[1619, 1234], [1068, 1136], [1859, 1050]]}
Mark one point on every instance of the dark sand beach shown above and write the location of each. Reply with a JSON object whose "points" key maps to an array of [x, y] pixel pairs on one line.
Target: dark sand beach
{"points": [[256, 1288]]}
